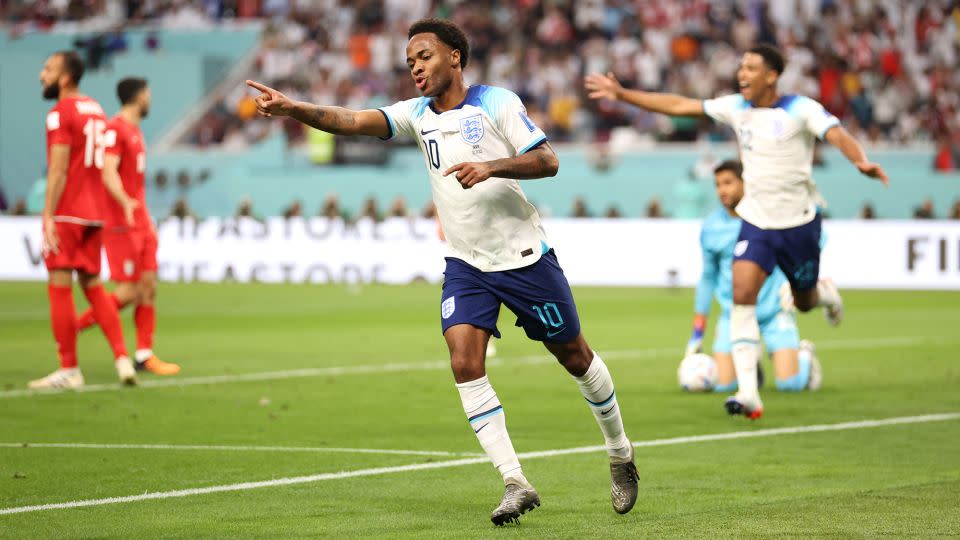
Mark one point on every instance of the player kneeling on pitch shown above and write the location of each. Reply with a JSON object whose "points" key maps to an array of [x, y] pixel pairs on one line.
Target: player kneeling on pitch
{"points": [[477, 141], [795, 363]]}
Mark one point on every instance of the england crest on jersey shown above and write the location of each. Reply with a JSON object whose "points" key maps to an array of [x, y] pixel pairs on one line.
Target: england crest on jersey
{"points": [[471, 128]]}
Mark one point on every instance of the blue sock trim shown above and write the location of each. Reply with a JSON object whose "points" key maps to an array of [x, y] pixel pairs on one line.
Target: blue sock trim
{"points": [[485, 414], [604, 402], [729, 387], [798, 382], [745, 342]]}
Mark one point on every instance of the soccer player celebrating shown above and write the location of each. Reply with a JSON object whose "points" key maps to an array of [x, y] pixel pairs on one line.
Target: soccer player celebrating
{"points": [[795, 364], [130, 238], [477, 142], [781, 225], [72, 226]]}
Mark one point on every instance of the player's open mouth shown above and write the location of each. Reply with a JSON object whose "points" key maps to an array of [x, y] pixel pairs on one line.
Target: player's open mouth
{"points": [[421, 83]]}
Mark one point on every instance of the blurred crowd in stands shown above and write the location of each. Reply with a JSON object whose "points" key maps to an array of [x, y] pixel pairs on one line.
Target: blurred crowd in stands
{"points": [[888, 68]]}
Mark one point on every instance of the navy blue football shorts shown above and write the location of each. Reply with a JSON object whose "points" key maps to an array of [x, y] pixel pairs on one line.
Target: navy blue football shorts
{"points": [[538, 295], [795, 250]]}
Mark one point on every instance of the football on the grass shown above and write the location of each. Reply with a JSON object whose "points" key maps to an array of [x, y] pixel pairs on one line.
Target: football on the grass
{"points": [[697, 373]]}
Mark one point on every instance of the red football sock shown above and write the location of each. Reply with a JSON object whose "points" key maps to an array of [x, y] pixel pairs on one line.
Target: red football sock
{"points": [[106, 315], [62, 322], [85, 320], [145, 316]]}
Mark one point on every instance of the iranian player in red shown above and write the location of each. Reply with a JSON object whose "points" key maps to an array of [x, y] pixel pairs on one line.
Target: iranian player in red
{"points": [[129, 236], [72, 219]]}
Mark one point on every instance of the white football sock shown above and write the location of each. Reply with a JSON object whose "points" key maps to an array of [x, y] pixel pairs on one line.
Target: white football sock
{"points": [[142, 355], [489, 424], [745, 337], [827, 295], [596, 385]]}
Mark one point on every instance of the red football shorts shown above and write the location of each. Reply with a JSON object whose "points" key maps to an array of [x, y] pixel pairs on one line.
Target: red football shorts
{"points": [[79, 248], [130, 253]]}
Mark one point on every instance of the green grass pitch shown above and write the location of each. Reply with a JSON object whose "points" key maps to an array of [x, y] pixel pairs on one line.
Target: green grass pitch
{"points": [[894, 356]]}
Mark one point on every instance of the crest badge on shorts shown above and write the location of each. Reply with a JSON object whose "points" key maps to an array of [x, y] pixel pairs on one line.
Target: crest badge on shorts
{"points": [[128, 267], [471, 128], [740, 248], [448, 307]]}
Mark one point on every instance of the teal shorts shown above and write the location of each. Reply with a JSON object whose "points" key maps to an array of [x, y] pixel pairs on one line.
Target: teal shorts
{"points": [[778, 332]]}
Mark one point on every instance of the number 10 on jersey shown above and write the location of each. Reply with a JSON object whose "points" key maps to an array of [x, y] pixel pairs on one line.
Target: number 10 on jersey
{"points": [[433, 152]]}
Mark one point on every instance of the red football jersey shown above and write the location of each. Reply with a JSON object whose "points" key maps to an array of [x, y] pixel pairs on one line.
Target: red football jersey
{"points": [[125, 140], [79, 121]]}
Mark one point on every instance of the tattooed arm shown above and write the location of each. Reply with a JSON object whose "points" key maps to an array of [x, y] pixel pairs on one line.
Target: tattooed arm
{"points": [[539, 162], [336, 120]]}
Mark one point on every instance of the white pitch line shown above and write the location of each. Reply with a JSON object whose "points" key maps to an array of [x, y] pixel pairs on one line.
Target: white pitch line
{"points": [[844, 344], [230, 448], [473, 461]]}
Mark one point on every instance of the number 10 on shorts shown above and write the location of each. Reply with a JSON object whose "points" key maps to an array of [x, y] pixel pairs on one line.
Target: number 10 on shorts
{"points": [[549, 314]]}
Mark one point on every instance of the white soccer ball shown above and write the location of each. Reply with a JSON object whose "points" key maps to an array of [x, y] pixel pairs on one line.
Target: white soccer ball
{"points": [[697, 373]]}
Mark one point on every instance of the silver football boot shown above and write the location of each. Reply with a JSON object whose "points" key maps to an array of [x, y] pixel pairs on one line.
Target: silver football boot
{"points": [[624, 483], [516, 500]]}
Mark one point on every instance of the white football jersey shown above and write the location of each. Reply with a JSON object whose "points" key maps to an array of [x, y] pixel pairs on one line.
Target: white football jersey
{"points": [[776, 148], [490, 226]]}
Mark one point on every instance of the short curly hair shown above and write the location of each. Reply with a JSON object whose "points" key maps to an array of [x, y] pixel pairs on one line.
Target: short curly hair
{"points": [[448, 32], [772, 57]]}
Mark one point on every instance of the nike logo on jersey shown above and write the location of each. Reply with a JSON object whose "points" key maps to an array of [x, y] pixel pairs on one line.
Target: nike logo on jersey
{"points": [[481, 427], [604, 413], [422, 132]]}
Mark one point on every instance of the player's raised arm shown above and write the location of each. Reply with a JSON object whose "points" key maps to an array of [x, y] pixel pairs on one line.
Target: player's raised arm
{"points": [[608, 87], [540, 162], [336, 120], [851, 148]]}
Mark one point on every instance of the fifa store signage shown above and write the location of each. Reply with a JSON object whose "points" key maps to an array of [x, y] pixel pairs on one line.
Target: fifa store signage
{"points": [[621, 252]]}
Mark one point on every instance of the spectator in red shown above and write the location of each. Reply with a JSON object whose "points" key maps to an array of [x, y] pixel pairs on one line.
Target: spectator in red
{"points": [[944, 160]]}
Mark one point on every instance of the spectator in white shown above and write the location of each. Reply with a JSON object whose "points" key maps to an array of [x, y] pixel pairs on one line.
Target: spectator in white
{"points": [[398, 208], [294, 210], [185, 15], [370, 210], [245, 209], [647, 65], [580, 209], [654, 210], [331, 208], [925, 210]]}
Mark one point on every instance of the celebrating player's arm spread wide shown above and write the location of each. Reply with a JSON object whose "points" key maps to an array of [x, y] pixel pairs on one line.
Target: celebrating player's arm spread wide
{"points": [[477, 141], [539, 162], [781, 220]]}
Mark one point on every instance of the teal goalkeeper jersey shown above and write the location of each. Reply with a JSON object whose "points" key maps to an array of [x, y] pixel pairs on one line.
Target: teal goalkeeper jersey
{"points": [[717, 239]]}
